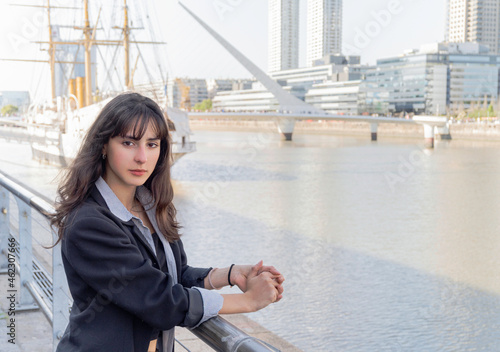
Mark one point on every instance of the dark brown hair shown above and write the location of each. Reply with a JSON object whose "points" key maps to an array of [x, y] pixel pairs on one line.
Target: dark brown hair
{"points": [[124, 113]]}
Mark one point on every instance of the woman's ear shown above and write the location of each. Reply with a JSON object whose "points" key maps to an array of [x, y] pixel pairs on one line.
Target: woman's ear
{"points": [[104, 149]]}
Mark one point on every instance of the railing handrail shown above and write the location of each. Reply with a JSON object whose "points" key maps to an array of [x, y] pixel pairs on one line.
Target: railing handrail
{"points": [[26, 196], [218, 333]]}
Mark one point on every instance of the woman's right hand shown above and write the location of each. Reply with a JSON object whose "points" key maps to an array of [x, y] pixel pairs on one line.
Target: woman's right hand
{"points": [[262, 289]]}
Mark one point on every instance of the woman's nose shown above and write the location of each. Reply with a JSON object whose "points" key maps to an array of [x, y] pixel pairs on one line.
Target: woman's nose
{"points": [[140, 155]]}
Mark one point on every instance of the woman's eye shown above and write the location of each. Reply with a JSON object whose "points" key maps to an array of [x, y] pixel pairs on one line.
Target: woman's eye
{"points": [[153, 145], [128, 143]]}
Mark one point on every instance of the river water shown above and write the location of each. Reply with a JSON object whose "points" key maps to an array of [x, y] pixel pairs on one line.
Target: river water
{"points": [[385, 246]]}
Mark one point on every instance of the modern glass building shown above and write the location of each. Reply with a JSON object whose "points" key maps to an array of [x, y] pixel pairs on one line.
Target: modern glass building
{"points": [[429, 81]]}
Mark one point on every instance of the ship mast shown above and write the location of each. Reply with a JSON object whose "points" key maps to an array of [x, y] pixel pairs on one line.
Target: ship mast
{"points": [[88, 41], [126, 30], [52, 57], [126, 46], [88, 63]]}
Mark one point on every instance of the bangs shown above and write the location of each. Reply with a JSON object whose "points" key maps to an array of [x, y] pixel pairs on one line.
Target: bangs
{"points": [[135, 122]]}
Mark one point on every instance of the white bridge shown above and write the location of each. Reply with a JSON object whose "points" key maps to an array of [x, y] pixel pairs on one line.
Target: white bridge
{"points": [[286, 121]]}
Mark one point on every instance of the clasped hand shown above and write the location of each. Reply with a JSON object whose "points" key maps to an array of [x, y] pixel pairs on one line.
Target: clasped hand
{"points": [[263, 283]]}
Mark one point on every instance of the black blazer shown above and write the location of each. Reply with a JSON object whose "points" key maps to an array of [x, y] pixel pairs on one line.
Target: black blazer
{"points": [[120, 295]]}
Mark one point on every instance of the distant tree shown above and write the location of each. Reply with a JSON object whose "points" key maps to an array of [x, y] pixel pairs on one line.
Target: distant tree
{"points": [[9, 109], [491, 110], [204, 105]]}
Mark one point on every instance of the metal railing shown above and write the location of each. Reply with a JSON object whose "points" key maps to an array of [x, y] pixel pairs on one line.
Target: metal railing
{"points": [[38, 289]]}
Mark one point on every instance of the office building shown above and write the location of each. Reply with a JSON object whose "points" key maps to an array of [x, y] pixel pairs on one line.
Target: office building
{"points": [[475, 21], [283, 43], [324, 29], [189, 90], [256, 99], [333, 68], [335, 97], [221, 85], [431, 80]]}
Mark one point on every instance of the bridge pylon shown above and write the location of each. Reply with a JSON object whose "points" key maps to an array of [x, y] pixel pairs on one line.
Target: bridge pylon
{"points": [[287, 102]]}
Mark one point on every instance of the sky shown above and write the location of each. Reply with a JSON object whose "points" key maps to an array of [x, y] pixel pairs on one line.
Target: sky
{"points": [[372, 29]]}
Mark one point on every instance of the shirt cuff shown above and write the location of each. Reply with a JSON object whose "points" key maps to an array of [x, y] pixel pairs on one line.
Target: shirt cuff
{"points": [[212, 304]]}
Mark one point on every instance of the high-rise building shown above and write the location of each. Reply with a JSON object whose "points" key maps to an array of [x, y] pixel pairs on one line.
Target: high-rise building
{"points": [[283, 35], [324, 29], [474, 21]]}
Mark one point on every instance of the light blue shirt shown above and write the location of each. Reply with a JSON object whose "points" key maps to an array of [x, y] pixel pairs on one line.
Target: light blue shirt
{"points": [[212, 301]]}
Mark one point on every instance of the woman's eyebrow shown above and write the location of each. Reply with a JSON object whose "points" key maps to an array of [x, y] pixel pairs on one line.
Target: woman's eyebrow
{"points": [[136, 138]]}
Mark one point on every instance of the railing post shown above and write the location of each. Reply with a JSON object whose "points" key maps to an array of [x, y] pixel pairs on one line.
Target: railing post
{"points": [[26, 301], [60, 301], [4, 224]]}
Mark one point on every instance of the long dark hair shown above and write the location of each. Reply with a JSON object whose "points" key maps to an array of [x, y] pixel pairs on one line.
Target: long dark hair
{"points": [[124, 113]]}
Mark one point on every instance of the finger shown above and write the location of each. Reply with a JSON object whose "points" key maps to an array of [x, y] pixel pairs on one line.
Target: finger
{"points": [[280, 293], [255, 269], [270, 269], [280, 279], [275, 283], [267, 275]]}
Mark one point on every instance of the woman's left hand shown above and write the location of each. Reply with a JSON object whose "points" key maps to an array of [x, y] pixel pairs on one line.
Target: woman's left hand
{"points": [[240, 273]]}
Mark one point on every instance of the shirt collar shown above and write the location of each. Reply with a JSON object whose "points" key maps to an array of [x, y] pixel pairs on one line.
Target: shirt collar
{"points": [[116, 206]]}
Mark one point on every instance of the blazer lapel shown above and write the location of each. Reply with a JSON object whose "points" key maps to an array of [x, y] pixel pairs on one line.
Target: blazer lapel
{"points": [[138, 235]]}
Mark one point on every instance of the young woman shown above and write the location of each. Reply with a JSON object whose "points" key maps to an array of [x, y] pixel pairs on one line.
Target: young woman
{"points": [[124, 260]]}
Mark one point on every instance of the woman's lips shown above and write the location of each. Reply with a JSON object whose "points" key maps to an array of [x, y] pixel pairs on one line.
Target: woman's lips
{"points": [[138, 172]]}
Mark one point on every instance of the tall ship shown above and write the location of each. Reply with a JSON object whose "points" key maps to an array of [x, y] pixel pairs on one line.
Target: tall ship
{"points": [[57, 127]]}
